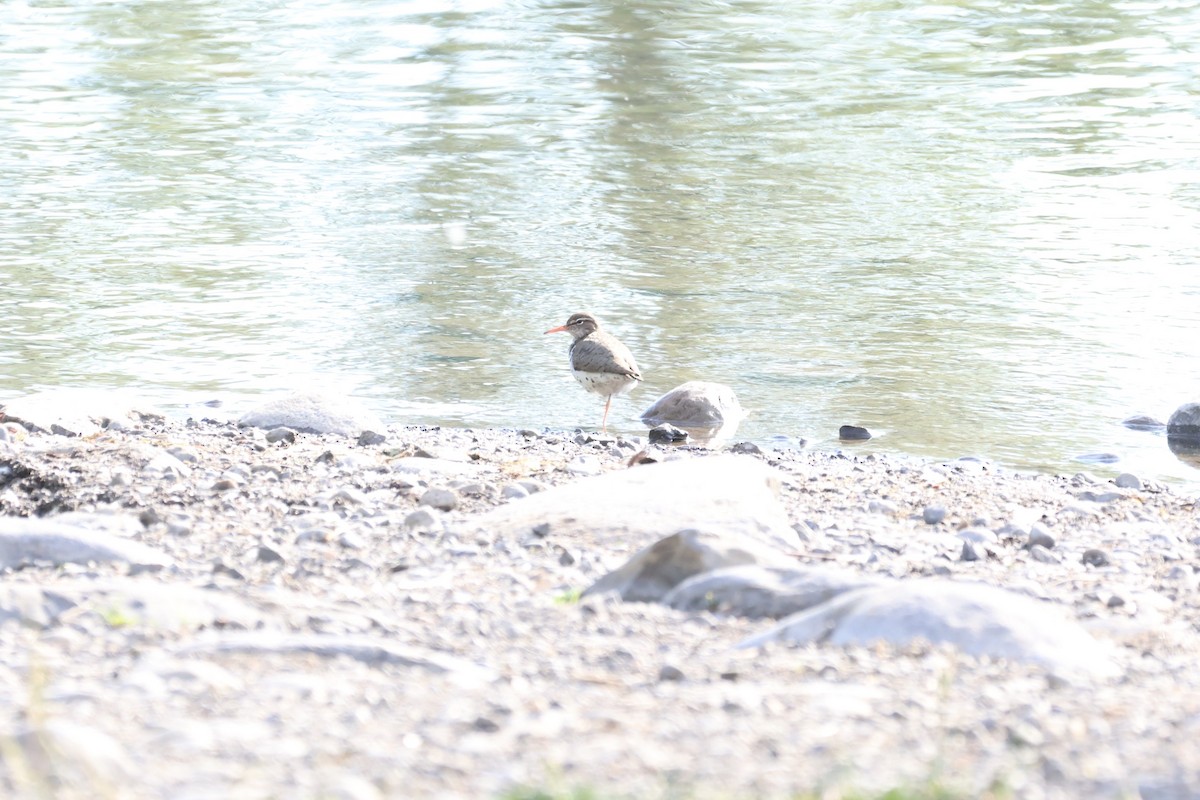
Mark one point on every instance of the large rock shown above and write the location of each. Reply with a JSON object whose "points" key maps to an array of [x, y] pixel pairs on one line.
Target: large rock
{"points": [[370, 650], [73, 539], [31, 605], [1185, 422], [976, 619], [128, 603], [314, 412], [659, 568], [1183, 433], [78, 412], [633, 508], [696, 404], [755, 590]]}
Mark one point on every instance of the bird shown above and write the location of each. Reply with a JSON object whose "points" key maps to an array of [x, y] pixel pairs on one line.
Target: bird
{"points": [[599, 361]]}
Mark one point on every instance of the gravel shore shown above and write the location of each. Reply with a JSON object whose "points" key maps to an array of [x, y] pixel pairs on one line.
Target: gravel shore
{"points": [[197, 610]]}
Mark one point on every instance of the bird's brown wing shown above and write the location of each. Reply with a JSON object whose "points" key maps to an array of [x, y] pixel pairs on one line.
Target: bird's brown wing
{"points": [[604, 354]]}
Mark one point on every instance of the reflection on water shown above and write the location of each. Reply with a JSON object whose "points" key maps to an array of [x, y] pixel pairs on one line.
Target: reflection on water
{"points": [[969, 225]]}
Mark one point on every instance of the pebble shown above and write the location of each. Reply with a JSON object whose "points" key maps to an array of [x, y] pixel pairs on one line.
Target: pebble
{"points": [[1040, 537], [353, 496], [370, 439], [667, 433], [933, 515], [440, 498], [886, 507], [669, 672], [276, 435], [853, 433], [981, 536], [423, 519], [1127, 480], [267, 555], [1039, 553], [1095, 557], [972, 551], [514, 491]]}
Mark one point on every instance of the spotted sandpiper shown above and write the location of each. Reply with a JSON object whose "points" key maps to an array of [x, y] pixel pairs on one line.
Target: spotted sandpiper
{"points": [[599, 361]]}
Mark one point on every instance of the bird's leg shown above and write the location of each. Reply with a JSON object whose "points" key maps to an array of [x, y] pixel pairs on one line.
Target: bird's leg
{"points": [[604, 422]]}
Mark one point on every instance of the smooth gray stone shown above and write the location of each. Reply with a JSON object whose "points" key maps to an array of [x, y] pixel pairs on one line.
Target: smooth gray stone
{"points": [[1185, 421], [932, 515], [513, 491], [633, 508], [314, 412], [1039, 553], [422, 519], [1127, 480], [1142, 422], [976, 619], [281, 434], [973, 551], [73, 539], [981, 536], [164, 606], [367, 649], [695, 404], [440, 498], [853, 433], [666, 433], [656, 570], [1040, 537], [758, 591], [31, 605]]}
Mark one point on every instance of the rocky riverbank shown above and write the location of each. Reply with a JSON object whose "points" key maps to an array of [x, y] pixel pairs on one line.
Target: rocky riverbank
{"points": [[201, 610]]}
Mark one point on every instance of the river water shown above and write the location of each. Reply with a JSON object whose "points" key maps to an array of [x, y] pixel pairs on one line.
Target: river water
{"points": [[969, 226]]}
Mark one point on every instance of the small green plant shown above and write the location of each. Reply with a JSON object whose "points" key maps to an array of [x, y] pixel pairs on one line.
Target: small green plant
{"points": [[534, 793], [568, 598], [116, 617]]}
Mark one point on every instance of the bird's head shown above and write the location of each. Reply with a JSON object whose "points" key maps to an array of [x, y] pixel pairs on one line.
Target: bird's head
{"points": [[578, 325]]}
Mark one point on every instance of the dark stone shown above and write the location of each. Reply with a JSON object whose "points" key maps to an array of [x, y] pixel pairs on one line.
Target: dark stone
{"points": [[1040, 537], [748, 448], [1095, 558], [281, 435], [368, 438], [853, 433], [973, 551], [670, 673], [1183, 433], [1127, 480], [267, 555], [220, 568], [1141, 422], [1098, 458], [667, 434], [1185, 422]]}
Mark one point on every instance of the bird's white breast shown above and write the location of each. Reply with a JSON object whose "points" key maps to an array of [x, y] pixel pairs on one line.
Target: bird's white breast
{"points": [[603, 383]]}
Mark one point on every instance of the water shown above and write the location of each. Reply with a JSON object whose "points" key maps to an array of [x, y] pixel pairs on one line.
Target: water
{"points": [[971, 227]]}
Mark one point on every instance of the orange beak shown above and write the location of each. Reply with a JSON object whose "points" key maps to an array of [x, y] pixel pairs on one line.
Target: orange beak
{"points": [[559, 329]]}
